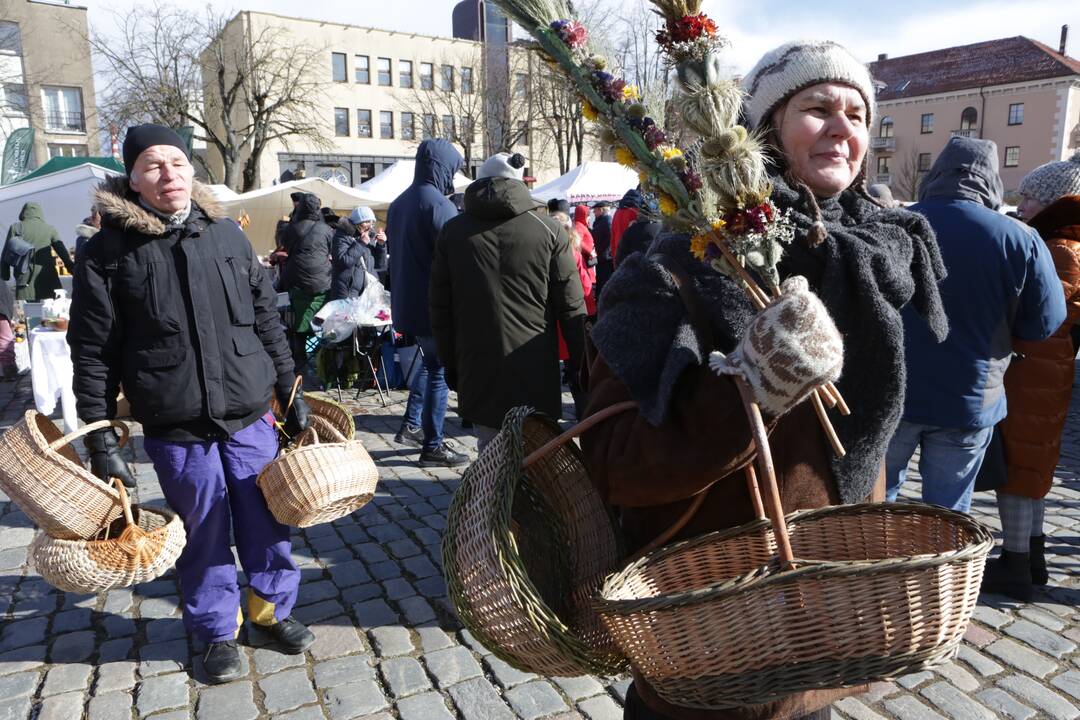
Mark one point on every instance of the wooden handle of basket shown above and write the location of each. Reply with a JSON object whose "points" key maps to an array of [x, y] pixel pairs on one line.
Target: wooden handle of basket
{"points": [[771, 491], [589, 422], [297, 383], [325, 425], [125, 503], [87, 429], [309, 433]]}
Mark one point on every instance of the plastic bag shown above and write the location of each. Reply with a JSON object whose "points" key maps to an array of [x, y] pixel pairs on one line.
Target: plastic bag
{"points": [[335, 320]]}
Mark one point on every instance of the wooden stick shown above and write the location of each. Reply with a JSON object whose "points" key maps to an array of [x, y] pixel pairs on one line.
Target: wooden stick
{"points": [[840, 404], [755, 492], [819, 408], [826, 396]]}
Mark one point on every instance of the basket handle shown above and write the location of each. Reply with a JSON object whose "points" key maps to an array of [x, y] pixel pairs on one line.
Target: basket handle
{"points": [[299, 381], [125, 502], [328, 427], [87, 429], [589, 422], [309, 433]]}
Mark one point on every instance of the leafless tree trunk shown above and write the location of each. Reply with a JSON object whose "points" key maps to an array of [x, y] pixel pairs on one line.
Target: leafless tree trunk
{"points": [[906, 176]]}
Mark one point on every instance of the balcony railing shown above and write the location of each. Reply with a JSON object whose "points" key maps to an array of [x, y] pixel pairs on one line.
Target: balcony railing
{"points": [[966, 132], [883, 143], [65, 122], [883, 178]]}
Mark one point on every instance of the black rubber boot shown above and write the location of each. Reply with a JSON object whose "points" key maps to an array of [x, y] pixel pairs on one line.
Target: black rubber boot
{"points": [[1039, 574], [291, 636], [1009, 575], [222, 662]]}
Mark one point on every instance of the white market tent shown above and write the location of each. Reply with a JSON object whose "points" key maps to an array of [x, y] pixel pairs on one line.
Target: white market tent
{"points": [[65, 197], [391, 182], [589, 182], [222, 192]]}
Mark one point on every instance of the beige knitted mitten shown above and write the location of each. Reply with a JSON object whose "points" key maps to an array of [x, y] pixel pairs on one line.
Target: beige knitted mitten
{"points": [[790, 348]]}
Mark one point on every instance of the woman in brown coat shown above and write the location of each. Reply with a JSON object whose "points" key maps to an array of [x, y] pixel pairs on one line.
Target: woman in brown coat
{"points": [[690, 434], [1038, 386]]}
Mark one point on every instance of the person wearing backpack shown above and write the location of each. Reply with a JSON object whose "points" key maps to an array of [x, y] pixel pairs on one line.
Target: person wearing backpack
{"points": [[39, 279]]}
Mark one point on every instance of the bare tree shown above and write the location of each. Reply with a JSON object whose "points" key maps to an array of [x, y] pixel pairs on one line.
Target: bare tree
{"points": [[558, 118], [907, 177], [638, 56], [241, 86]]}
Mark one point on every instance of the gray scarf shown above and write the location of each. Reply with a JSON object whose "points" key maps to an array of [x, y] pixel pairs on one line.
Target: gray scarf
{"points": [[872, 262]]}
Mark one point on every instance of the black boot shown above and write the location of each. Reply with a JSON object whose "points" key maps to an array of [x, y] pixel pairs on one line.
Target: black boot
{"points": [[1039, 574], [222, 662], [291, 636], [1009, 575]]}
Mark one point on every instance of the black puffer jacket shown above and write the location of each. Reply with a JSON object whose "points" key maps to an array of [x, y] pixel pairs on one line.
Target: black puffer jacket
{"points": [[307, 240], [352, 260], [184, 316]]}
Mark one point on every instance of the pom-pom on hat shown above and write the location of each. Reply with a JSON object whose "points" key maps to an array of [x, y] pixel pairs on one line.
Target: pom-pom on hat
{"points": [[786, 70], [503, 165], [1054, 180]]}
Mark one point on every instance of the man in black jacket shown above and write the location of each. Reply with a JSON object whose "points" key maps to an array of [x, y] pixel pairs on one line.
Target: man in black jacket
{"points": [[171, 300], [307, 241]]}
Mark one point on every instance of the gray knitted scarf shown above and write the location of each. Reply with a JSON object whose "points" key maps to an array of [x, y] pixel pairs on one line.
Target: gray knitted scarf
{"points": [[873, 262]]}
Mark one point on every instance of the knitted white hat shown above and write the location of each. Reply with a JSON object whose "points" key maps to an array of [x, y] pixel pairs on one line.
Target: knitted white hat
{"points": [[1047, 183], [503, 165], [786, 70]]}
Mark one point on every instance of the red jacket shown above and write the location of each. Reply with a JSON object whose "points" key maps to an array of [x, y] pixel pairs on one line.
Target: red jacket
{"points": [[622, 220]]}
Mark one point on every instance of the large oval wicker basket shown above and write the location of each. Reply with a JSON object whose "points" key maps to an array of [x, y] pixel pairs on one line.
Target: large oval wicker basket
{"points": [[525, 551], [320, 482], [135, 549], [43, 475]]}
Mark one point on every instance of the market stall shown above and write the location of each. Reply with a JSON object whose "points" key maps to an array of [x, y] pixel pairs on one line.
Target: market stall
{"points": [[589, 182]]}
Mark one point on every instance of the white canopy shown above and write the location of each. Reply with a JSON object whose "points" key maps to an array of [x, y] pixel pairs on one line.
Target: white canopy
{"points": [[223, 192], [589, 182], [65, 197], [391, 182]]}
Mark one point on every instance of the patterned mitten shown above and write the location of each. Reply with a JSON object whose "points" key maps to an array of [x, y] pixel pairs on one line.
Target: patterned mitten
{"points": [[790, 348]]}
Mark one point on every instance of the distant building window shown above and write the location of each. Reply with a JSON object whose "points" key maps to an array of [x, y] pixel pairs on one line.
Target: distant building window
{"points": [[367, 171], [523, 133], [466, 80], [1016, 114], [337, 65], [362, 69], [384, 72], [448, 127], [1012, 156], [63, 109], [883, 164], [429, 126], [404, 73], [341, 122], [10, 40], [427, 76], [927, 123], [386, 124], [64, 150], [13, 100], [969, 118], [886, 130], [521, 86], [468, 131], [446, 78], [924, 162], [363, 123], [408, 126]]}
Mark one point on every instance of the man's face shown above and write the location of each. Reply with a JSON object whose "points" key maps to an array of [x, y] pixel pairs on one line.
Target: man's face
{"points": [[162, 176]]}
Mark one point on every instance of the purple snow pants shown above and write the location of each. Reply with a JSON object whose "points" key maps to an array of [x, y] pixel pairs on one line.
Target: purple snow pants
{"points": [[207, 483]]}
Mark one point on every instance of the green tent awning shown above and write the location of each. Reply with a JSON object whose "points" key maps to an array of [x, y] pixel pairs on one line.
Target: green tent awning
{"points": [[63, 163]]}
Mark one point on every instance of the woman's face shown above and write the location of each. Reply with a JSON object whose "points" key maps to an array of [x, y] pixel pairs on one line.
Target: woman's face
{"points": [[823, 135], [1029, 207]]}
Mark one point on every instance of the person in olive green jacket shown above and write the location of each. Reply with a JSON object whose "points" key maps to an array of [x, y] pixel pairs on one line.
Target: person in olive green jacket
{"points": [[40, 279], [502, 280]]}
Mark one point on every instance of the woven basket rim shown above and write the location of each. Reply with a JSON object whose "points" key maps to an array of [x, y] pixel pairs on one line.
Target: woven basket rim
{"points": [[169, 516], [805, 568], [31, 418]]}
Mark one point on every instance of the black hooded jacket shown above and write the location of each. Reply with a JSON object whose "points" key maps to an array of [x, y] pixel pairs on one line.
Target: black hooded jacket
{"points": [[307, 239]]}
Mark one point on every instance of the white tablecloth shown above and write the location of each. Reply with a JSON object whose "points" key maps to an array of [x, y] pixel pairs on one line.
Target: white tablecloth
{"points": [[51, 374]]}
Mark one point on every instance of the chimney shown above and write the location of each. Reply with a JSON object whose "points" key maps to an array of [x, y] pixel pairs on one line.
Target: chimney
{"points": [[1064, 39], [885, 56]]}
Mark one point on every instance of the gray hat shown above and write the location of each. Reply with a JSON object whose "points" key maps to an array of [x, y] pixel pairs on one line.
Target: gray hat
{"points": [[362, 214], [503, 165], [1047, 183]]}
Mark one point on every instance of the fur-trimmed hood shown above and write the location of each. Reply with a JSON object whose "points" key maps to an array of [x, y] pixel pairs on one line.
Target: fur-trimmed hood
{"points": [[119, 206]]}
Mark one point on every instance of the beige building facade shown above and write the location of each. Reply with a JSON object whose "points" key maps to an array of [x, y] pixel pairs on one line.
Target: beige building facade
{"points": [[382, 92], [1017, 92], [46, 78]]}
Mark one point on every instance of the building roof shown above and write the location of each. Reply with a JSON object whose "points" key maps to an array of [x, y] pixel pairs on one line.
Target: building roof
{"points": [[995, 62]]}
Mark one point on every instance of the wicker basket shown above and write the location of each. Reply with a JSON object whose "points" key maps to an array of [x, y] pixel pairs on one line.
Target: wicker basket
{"points": [[319, 482], [338, 416], [824, 598], [140, 549], [525, 551], [44, 476]]}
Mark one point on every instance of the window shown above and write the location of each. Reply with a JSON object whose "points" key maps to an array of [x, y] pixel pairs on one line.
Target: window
{"points": [[386, 124], [363, 123], [969, 118], [886, 130], [429, 126], [404, 73], [63, 109], [10, 40], [883, 165], [927, 124], [521, 86], [341, 122], [367, 171], [448, 127], [13, 100], [408, 126], [523, 133], [924, 162], [384, 72], [64, 150], [1012, 156], [337, 65], [362, 69], [1016, 114], [446, 78], [427, 76], [466, 80]]}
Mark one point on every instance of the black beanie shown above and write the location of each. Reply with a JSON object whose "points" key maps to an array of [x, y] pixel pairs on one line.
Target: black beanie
{"points": [[558, 205], [140, 137]]}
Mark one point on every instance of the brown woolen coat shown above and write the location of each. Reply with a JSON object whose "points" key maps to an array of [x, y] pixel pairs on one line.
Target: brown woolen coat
{"points": [[1038, 387], [652, 474]]}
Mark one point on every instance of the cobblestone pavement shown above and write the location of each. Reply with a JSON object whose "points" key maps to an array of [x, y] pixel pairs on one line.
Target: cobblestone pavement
{"points": [[388, 644]]}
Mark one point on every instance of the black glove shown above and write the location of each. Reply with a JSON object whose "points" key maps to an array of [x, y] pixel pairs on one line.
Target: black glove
{"points": [[298, 418], [106, 461]]}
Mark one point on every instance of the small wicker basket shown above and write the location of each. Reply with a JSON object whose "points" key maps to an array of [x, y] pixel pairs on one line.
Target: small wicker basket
{"points": [[43, 475], [148, 545]]}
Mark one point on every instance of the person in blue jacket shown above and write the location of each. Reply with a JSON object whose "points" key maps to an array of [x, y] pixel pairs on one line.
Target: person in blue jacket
{"points": [[413, 223], [1001, 283]]}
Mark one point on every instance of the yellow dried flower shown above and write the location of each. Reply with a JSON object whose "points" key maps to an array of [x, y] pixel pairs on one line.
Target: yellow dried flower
{"points": [[670, 152], [624, 157], [698, 244], [643, 177], [631, 92], [668, 205], [589, 111]]}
